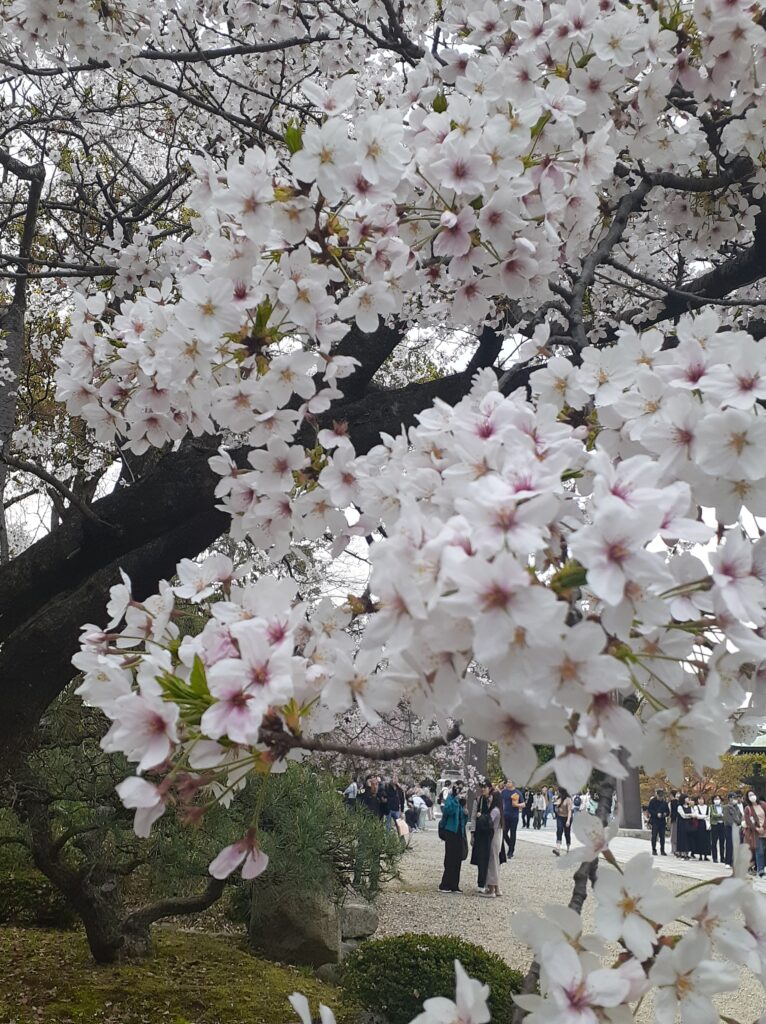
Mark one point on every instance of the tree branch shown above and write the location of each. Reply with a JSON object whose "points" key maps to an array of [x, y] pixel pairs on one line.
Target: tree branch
{"points": [[140, 919], [282, 742], [627, 205], [57, 485], [679, 293]]}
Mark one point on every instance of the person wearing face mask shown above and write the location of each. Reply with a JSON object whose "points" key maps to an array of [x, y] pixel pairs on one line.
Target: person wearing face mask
{"points": [[684, 831], [702, 829], [717, 831], [732, 819], [755, 829]]}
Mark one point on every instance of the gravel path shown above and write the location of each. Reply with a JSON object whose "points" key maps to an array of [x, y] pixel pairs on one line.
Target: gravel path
{"points": [[531, 880]]}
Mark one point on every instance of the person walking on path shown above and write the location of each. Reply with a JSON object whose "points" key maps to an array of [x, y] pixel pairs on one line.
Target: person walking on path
{"points": [[496, 856], [732, 819], [452, 828], [539, 806], [350, 794], [481, 834], [370, 796], [550, 810], [659, 812], [511, 798], [395, 802], [564, 810], [526, 814], [755, 829], [717, 831]]}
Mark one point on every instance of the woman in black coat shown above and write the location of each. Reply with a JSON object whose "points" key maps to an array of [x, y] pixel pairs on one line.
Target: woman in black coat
{"points": [[684, 828], [481, 835], [529, 804]]}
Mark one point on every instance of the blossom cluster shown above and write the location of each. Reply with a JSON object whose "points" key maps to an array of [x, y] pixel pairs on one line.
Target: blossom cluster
{"points": [[555, 557], [542, 568]]}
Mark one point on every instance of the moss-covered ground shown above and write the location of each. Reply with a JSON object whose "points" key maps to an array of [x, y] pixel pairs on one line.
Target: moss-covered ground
{"points": [[48, 977]]}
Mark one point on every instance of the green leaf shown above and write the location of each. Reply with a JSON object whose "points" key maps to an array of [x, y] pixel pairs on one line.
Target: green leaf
{"points": [[569, 576], [293, 137], [198, 679]]}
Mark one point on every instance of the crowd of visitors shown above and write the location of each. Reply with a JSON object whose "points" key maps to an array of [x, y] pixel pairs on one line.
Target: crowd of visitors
{"points": [[703, 829], [406, 809], [485, 823], [492, 826]]}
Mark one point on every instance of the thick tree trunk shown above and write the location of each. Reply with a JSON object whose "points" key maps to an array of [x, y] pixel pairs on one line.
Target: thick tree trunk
{"points": [[63, 580]]}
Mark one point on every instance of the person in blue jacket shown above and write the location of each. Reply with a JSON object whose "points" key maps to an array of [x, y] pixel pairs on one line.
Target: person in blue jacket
{"points": [[453, 824]]}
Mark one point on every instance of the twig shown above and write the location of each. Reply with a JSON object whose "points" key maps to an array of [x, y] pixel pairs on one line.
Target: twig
{"points": [[679, 293], [626, 206], [56, 484]]}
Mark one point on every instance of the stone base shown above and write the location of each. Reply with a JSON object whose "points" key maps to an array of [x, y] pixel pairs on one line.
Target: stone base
{"points": [[635, 833]]}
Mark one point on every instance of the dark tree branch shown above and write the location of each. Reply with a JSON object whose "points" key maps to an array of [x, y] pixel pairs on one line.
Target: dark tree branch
{"points": [[56, 484], [175, 906], [629, 204], [742, 270], [282, 742], [62, 581]]}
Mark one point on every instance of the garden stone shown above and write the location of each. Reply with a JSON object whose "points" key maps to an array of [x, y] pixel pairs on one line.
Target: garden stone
{"points": [[304, 931], [359, 919], [347, 947], [330, 974]]}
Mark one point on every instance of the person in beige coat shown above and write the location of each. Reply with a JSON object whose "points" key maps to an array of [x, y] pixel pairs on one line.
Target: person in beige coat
{"points": [[492, 888]]}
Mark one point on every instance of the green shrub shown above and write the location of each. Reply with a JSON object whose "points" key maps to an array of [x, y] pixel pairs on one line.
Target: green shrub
{"points": [[27, 897], [314, 843], [395, 975]]}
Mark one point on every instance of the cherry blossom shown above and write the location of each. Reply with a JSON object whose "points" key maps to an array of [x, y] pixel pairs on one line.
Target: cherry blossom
{"points": [[245, 853], [631, 905], [546, 176], [469, 1006], [685, 980]]}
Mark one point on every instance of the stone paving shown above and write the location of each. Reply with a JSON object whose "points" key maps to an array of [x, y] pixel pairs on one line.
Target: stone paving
{"points": [[528, 882], [624, 848]]}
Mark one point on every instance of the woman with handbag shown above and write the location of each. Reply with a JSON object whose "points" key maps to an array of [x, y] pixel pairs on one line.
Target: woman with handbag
{"points": [[564, 811], [481, 834], [452, 832], [496, 854], [755, 829]]}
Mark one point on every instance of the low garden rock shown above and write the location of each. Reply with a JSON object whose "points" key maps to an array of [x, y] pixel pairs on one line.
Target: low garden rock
{"points": [[305, 931], [359, 919]]}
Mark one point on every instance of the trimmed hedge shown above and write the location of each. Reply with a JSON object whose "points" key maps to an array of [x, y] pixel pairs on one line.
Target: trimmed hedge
{"points": [[395, 975], [27, 897]]}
